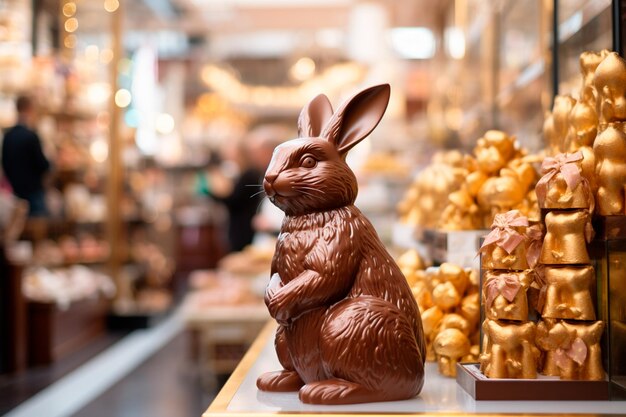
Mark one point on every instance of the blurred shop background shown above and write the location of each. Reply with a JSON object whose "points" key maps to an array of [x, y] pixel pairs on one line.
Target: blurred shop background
{"points": [[140, 288]]}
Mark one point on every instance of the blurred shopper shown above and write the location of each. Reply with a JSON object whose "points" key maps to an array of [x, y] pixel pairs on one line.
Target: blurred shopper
{"points": [[23, 161], [244, 197]]}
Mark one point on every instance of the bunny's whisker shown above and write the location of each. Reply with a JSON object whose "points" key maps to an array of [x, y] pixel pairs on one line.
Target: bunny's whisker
{"points": [[257, 193], [317, 190]]}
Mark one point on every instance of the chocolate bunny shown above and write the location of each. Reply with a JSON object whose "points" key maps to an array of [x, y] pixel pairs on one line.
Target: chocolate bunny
{"points": [[349, 328]]}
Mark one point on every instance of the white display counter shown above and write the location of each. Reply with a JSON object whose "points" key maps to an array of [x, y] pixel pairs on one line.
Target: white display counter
{"points": [[440, 395]]}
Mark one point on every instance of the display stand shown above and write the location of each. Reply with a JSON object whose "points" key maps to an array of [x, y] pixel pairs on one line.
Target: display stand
{"points": [[543, 388], [441, 395]]}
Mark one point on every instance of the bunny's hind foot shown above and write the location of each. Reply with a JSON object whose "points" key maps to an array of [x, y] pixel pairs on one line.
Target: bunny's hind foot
{"points": [[336, 391], [279, 381]]}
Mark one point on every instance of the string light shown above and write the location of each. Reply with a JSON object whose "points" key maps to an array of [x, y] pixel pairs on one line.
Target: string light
{"points": [[70, 41], [71, 24], [122, 98], [111, 5], [69, 9]]}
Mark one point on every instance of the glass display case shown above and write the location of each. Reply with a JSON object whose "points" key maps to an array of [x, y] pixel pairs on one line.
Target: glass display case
{"points": [[524, 68], [616, 259], [582, 25]]}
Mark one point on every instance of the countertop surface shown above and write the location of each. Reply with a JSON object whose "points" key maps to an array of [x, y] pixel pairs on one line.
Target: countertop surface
{"points": [[439, 395]]}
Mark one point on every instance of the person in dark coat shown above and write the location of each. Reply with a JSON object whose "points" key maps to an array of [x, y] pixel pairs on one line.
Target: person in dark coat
{"points": [[244, 198], [23, 160]]}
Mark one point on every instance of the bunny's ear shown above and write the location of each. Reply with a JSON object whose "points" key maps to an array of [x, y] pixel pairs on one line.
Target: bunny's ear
{"points": [[357, 117], [314, 116]]}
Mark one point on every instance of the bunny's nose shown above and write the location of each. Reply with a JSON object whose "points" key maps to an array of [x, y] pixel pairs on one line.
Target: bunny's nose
{"points": [[270, 177]]}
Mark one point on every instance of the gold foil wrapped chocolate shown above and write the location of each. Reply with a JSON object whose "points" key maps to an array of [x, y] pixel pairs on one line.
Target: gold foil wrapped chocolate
{"points": [[499, 177], [504, 247], [562, 185], [504, 295], [610, 146], [548, 343], [447, 297], [559, 141], [568, 292], [509, 350], [450, 346], [610, 153], [427, 197], [567, 234], [572, 349]]}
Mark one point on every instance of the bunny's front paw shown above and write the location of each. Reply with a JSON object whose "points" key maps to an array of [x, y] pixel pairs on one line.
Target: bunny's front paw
{"points": [[274, 285], [279, 308]]}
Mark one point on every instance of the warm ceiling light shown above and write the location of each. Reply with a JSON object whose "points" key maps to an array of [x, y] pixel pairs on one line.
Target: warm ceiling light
{"points": [[303, 69], [69, 9], [455, 42], [71, 24], [413, 42], [122, 98], [111, 5]]}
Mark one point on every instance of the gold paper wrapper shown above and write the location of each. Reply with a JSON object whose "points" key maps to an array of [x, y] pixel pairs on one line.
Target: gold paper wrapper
{"points": [[503, 309], [568, 293], [509, 350], [565, 241]]}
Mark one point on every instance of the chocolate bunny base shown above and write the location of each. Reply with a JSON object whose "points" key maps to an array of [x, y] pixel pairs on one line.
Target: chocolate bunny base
{"points": [[349, 328]]}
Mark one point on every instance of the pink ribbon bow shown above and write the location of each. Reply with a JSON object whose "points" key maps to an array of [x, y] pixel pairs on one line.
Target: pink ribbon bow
{"points": [[502, 232], [507, 285], [533, 251], [576, 351], [563, 163]]}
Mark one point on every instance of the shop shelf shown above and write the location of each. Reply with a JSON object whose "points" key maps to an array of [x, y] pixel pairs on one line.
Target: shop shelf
{"points": [[55, 332]]}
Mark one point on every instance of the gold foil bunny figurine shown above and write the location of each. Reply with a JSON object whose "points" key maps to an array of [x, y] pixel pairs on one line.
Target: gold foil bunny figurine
{"points": [[548, 343], [584, 123], [610, 153], [562, 185], [560, 114], [567, 234], [610, 144], [610, 82], [504, 295], [509, 350], [568, 292], [504, 247], [589, 61], [450, 346], [574, 350], [549, 134], [573, 364]]}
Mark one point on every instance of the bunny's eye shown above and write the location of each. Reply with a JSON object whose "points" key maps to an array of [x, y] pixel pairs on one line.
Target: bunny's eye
{"points": [[308, 162]]}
